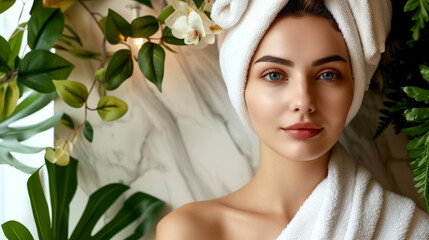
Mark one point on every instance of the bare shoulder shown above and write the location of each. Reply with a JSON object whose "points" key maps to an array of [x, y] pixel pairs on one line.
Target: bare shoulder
{"points": [[197, 220]]}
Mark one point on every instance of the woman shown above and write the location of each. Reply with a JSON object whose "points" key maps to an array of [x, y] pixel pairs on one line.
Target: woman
{"points": [[302, 81]]}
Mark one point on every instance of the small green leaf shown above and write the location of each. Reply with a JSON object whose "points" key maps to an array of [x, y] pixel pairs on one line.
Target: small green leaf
{"points": [[9, 95], [117, 28], [418, 142], [14, 230], [424, 70], [151, 59], [6, 4], [74, 36], [15, 45], [102, 24], [120, 68], [39, 206], [4, 55], [417, 130], [168, 37], [67, 121], [165, 14], [145, 2], [416, 114], [45, 28], [73, 93], [419, 94], [88, 131], [84, 54], [111, 108], [39, 67], [144, 27], [100, 75], [411, 5]]}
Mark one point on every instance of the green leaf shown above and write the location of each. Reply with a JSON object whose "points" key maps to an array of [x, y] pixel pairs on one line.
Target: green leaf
{"points": [[168, 37], [165, 13], [144, 27], [416, 114], [37, 4], [145, 2], [6, 4], [119, 69], [117, 28], [4, 55], [100, 75], [97, 205], [14, 230], [9, 94], [71, 92], [417, 130], [74, 36], [67, 121], [84, 54], [424, 70], [419, 94], [45, 28], [39, 207], [151, 59], [22, 133], [39, 67], [411, 5], [7, 158], [31, 104], [15, 146], [198, 3], [88, 131], [418, 142], [111, 108], [62, 187], [15, 45], [152, 208], [138, 204]]}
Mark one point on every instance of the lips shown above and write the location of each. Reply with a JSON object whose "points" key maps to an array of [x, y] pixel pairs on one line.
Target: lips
{"points": [[303, 130]]}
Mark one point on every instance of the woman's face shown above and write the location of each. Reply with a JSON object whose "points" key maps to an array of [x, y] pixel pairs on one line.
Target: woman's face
{"points": [[299, 87]]}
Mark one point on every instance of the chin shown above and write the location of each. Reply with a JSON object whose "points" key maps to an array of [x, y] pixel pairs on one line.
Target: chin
{"points": [[303, 151]]}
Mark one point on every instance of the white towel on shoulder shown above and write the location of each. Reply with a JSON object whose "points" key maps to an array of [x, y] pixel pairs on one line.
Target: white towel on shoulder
{"points": [[349, 204]]}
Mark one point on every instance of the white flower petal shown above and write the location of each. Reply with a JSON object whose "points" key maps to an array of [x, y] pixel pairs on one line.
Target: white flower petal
{"points": [[192, 38], [181, 28], [173, 18], [196, 23], [63, 159], [50, 155], [177, 4]]}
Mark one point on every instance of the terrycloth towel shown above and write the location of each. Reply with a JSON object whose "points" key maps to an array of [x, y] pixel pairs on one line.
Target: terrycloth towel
{"points": [[348, 204], [364, 24]]}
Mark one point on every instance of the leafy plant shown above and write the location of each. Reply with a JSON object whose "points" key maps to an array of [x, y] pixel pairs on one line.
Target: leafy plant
{"points": [[62, 187], [403, 67]]}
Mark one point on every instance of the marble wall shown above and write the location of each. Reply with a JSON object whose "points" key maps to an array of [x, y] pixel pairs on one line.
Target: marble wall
{"points": [[187, 143]]}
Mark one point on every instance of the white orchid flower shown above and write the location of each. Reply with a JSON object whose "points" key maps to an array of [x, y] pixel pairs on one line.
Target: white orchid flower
{"points": [[189, 23]]}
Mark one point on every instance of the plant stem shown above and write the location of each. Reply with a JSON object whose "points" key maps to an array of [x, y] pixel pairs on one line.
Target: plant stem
{"points": [[92, 14]]}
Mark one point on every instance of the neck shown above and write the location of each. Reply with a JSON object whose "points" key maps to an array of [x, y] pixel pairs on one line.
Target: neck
{"points": [[287, 183]]}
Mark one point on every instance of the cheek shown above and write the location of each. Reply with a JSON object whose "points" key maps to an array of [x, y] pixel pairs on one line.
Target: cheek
{"points": [[335, 104], [262, 105]]}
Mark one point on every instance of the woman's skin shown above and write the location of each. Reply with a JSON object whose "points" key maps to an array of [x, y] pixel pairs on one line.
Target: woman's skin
{"points": [[300, 73]]}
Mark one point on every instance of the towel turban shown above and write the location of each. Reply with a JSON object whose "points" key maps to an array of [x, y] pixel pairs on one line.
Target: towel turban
{"points": [[364, 24]]}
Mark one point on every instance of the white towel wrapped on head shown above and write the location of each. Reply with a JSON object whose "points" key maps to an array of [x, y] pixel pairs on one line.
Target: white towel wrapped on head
{"points": [[364, 24]]}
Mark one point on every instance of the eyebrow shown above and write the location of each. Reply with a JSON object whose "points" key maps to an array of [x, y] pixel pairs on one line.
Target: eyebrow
{"points": [[289, 63]]}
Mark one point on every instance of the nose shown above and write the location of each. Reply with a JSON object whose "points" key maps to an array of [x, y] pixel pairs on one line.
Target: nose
{"points": [[302, 97]]}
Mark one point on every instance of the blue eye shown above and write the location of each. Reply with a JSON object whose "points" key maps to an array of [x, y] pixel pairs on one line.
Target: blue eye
{"points": [[329, 76], [273, 76]]}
